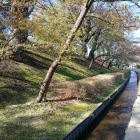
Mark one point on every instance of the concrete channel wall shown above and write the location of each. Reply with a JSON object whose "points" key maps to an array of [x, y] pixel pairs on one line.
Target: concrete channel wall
{"points": [[82, 127]]}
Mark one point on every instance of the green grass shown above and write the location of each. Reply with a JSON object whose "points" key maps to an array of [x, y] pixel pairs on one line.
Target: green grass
{"points": [[21, 118], [20, 83], [50, 120], [21, 87]]}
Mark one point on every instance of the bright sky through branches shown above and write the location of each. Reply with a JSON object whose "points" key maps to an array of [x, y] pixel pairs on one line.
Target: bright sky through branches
{"points": [[136, 11]]}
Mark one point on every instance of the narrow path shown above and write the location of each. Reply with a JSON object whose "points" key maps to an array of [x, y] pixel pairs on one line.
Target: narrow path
{"points": [[113, 124], [133, 130]]}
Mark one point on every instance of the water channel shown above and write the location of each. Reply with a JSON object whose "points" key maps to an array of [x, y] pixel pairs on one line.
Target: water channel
{"points": [[113, 122]]}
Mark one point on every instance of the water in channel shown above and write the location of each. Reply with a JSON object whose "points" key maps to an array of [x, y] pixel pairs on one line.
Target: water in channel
{"points": [[113, 122]]}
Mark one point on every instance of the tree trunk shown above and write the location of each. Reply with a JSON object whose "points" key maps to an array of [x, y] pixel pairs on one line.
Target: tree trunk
{"points": [[87, 29], [91, 63], [84, 48], [102, 64], [45, 86], [94, 47], [49, 75], [2, 37], [20, 11], [18, 37], [91, 55], [18, 54], [109, 65]]}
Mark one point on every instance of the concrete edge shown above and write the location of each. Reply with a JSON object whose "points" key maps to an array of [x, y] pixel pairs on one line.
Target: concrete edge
{"points": [[80, 128]]}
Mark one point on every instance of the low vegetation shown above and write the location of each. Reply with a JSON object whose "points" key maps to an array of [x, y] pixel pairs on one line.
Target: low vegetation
{"points": [[68, 102]]}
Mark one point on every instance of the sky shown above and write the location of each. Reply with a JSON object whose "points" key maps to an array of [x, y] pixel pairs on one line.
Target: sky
{"points": [[137, 33], [136, 11]]}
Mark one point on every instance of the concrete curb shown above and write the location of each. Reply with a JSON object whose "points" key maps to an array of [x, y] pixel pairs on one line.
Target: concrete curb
{"points": [[82, 127]]}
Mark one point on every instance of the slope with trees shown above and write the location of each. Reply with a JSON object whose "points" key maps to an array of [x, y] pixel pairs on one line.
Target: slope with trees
{"points": [[64, 26]]}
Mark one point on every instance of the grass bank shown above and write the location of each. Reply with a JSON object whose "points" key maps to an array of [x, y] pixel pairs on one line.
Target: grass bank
{"points": [[50, 120], [20, 82], [22, 119]]}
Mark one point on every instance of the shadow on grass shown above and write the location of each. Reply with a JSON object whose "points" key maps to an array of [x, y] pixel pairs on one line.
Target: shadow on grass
{"points": [[34, 62], [22, 128], [17, 91], [104, 70], [14, 77], [41, 62], [65, 67], [18, 82], [37, 62], [71, 76], [19, 130], [12, 95], [37, 55]]}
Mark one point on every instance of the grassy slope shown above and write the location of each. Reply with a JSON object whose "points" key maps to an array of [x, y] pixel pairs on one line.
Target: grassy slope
{"points": [[19, 85]]}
